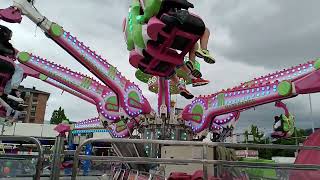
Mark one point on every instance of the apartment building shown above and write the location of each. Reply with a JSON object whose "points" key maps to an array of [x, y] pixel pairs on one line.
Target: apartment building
{"points": [[36, 103]]}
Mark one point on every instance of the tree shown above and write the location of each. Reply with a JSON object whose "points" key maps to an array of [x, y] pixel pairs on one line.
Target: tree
{"points": [[257, 135], [246, 136], [297, 137], [58, 116]]}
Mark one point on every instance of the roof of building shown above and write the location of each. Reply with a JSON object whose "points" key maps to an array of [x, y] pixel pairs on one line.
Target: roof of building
{"points": [[33, 90]]}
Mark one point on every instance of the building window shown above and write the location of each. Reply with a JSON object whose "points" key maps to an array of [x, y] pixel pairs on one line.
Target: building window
{"points": [[27, 94], [35, 100], [33, 114], [33, 108]]}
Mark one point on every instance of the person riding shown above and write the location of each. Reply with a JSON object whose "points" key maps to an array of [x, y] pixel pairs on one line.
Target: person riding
{"points": [[171, 7], [284, 124], [189, 67], [6, 48], [13, 103]]}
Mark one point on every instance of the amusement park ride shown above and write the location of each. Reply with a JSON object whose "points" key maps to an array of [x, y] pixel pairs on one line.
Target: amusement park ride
{"points": [[158, 34]]}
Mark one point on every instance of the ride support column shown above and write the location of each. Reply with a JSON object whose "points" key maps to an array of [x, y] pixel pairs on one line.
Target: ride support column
{"points": [[57, 152], [164, 97], [87, 163]]}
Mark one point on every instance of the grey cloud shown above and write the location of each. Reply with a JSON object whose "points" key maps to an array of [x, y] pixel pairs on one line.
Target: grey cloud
{"points": [[269, 33]]}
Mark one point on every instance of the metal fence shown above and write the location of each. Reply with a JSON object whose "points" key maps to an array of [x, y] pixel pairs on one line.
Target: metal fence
{"points": [[32, 140], [204, 161]]}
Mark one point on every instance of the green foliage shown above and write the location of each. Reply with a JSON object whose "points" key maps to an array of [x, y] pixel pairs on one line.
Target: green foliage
{"points": [[253, 173], [246, 135], [257, 135], [254, 131], [58, 116], [297, 137]]}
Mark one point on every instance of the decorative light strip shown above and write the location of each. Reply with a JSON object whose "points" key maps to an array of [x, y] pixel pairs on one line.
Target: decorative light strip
{"points": [[285, 74], [97, 61], [94, 122], [90, 131], [133, 111], [104, 68], [231, 98], [78, 80]]}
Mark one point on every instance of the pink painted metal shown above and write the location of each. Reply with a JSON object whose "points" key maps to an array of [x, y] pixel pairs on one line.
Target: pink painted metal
{"points": [[239, 98], [308, 84], [124, 129], [11, 14], [62, 129], [220, 121], [107, 73], [6, 59], [280, 104], [32, 73], [308, 157], [116, 130], [161, 60], [83, 84], [89, 123], [304, 79], [129, 95], [292, 73], [164, 94], [155, 26]]}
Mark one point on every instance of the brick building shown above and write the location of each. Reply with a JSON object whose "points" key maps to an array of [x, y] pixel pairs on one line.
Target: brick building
{"points": [[36, 103]]}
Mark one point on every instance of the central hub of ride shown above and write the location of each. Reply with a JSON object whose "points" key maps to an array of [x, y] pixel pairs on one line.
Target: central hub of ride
{"points": [[159, 35]]}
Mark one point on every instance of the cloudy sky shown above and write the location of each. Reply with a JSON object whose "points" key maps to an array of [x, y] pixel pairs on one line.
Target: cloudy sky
{"points": [[248, 39]]}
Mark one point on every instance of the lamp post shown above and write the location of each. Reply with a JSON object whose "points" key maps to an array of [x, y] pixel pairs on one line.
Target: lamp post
{"points": [[311, 118]]}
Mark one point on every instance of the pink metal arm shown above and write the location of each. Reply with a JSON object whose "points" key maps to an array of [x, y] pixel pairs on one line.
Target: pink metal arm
{"points": [[90, 123], [283, 106], [103, 96], [11, 14], [223, 119], [86, 124], [129, 95], [118, 130], [204, 109], [292, 73], [32, 73]]}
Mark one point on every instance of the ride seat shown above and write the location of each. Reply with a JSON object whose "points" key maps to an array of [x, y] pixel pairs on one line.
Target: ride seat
{"points": [[6, 72], [181, 4], [184, 21], [4, 78], [171, 35], [179, 176], [168, 45]]}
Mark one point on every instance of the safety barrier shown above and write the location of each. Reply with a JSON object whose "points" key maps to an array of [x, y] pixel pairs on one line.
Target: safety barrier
{"points": [[204, 161], [38, 145]]}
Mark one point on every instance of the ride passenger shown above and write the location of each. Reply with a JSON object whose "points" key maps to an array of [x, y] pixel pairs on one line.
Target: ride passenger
{"points": [[13, 103], [171, 6]]}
